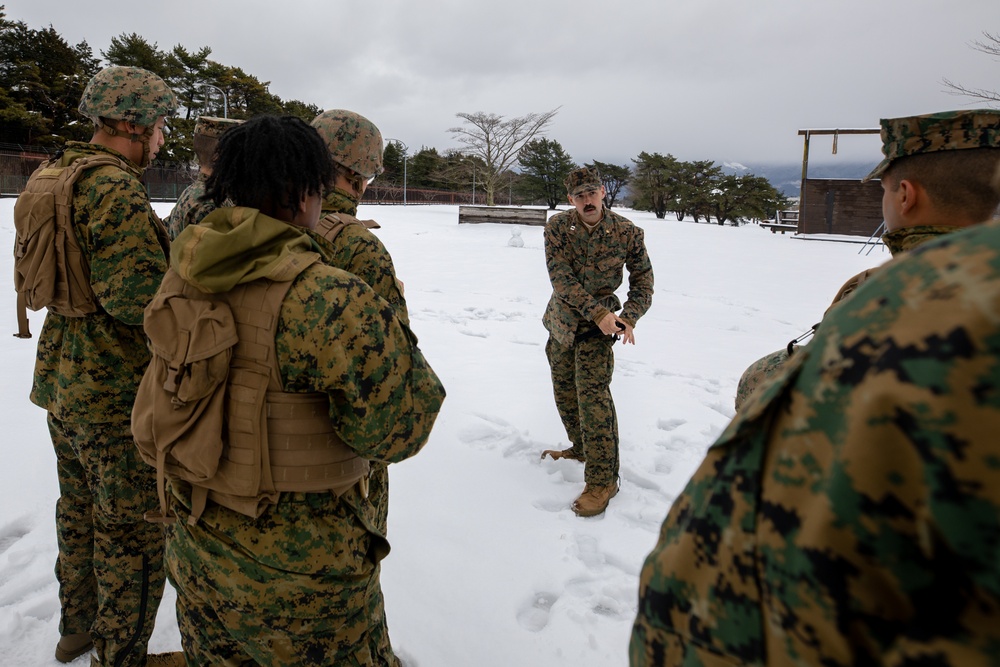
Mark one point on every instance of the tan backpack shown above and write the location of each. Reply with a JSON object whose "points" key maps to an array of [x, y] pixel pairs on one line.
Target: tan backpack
{"points": [[211, 410], [50, 268]]}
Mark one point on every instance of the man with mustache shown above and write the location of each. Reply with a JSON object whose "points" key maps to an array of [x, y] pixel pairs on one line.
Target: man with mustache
{"points": [[585, 251]]}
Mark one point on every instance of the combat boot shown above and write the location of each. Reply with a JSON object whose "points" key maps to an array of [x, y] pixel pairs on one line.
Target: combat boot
{"points": [[594, 499], [71, 647]]}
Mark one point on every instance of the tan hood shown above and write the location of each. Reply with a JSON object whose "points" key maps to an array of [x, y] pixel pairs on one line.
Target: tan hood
{"points": [[236, 245]]}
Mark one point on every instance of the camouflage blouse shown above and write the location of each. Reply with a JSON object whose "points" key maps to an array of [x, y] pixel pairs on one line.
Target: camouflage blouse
{"points": [[189, 209], [850, 514], [357, 250], [586, 268], [88, 368]]}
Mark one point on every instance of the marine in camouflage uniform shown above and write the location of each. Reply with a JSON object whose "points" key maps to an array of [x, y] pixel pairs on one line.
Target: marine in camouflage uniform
{"points": [[586, 250], [850, 513], [355, 145], [191, 207], [110, 561], [299, 585], [897, 239]]}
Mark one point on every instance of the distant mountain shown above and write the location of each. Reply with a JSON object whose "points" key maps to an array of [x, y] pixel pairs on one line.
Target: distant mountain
{"points": [[787, 178]]}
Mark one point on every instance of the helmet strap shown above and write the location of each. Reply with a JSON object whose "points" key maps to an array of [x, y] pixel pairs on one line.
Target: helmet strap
{"points": [[133, 137]]}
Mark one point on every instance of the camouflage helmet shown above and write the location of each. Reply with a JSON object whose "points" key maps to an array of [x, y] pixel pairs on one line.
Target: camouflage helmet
{"points": [[755, 375], [353, 140], [127, 93]]}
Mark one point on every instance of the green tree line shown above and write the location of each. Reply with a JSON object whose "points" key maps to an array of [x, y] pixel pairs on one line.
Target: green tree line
{"points": [[42, 78]]}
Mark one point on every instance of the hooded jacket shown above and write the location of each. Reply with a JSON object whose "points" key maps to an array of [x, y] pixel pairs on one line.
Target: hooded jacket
{"points": [[334, 335]]}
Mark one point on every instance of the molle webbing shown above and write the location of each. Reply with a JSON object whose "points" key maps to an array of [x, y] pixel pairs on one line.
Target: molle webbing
{"points": [[305, 454], [276, 441]]}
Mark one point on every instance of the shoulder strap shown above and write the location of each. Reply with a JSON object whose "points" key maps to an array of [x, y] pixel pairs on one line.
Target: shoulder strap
{"points": [[331, 224]]}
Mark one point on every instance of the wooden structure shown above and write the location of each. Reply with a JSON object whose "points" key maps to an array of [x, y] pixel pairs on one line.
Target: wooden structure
{"points": [[840, 206], [512, 215], [776, 227], [837, 206]]}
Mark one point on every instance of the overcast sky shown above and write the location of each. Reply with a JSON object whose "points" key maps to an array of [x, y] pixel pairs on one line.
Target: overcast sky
{"points": [[722, 80]]}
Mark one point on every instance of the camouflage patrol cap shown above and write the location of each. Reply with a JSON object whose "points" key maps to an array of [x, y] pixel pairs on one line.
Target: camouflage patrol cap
{"points": [[945, 131], [581, 180], [131, 94], [210, 126], [353, 140]]}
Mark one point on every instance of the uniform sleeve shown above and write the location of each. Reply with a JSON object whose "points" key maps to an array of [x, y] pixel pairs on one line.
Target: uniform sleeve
{"points": [[372, 263], [341, 338], [565, 285], [127, 260], [640, 279]]}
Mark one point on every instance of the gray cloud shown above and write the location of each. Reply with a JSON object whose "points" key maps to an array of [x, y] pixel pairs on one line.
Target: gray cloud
{"points": [[724, 80]]}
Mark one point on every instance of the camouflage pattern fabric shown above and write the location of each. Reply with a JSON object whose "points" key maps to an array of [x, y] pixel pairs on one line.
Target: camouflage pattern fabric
{"points": [[300, 585], [89, 368], [189, 209], [249, 599], [581, 180], [127, 93], [850, 514], [908, 238], [898, 241], [586, 268], [353, 140], [930, 133], [759, 371], [110, 561], [109, 567], [357, 250], [581, 381], [211, 126]]}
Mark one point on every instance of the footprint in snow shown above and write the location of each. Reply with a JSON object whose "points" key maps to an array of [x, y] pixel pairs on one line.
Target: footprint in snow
{"points": [[670, 424], [11, 532], [534, 612]]}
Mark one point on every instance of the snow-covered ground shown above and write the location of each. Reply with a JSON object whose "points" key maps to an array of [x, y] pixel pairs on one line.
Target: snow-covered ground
{"points": [[489, 565]]}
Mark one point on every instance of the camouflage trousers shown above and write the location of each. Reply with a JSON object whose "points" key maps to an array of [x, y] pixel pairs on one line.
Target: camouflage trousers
{"points": [[298, 586], [581, 382], [110, 563]]}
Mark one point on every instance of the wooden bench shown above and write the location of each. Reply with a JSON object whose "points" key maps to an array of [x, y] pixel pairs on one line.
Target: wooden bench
{"points": [[776, 227], [512, 215]]}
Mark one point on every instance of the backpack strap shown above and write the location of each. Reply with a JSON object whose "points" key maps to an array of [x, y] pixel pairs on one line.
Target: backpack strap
{"points": [[331, 224], [23, 330]]}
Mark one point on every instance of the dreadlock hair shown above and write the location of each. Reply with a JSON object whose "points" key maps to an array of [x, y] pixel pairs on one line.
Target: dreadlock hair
{"points": [[957, 181], [269, 163]]}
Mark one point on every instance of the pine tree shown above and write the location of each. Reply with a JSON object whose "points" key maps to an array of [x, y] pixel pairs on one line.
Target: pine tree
{"points": [[544, 166]]}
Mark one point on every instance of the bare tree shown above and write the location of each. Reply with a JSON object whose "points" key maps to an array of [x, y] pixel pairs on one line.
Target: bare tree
{"points": [[991, 47], [497, 142]]}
